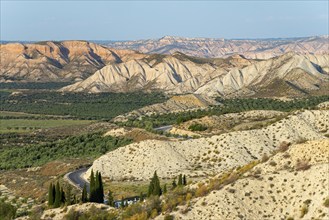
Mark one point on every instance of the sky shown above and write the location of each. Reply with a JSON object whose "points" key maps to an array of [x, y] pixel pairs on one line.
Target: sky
{"points": [[133, 20]]}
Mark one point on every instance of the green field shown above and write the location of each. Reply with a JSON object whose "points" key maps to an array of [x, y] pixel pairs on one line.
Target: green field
{"points": [[27, 125]]}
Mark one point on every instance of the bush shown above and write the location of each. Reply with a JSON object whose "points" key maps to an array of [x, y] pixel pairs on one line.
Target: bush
{"points": [[326, 202], [284, 146], [201, 191], [169, 217], [303, 211], [7, 211], [302, 165], [197, 127]]}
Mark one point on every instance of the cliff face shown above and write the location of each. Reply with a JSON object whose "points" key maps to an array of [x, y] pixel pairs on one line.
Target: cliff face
{"points": [[56, 61]]}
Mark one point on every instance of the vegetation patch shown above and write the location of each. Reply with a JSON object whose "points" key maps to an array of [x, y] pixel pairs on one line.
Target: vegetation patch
{"points": [[197, 127], [83, 146], [228, 106], [78, 105]]}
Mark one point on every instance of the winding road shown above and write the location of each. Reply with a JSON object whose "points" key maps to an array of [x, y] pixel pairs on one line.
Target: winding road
{"points": [[76, 179], [164, 128]]}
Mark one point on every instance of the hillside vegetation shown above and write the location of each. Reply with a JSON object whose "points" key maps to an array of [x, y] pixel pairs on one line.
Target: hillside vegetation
{"points": [[83, 146], [228, 106], [77, 105]]}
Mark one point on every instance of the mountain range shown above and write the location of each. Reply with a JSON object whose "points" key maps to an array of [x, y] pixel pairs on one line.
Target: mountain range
{"points": [[97, 68], [209, 47]]}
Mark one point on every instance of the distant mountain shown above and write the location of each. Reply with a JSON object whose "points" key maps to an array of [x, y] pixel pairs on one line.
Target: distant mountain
{"points": [[56, 61], [289, 74], [209, 47]]}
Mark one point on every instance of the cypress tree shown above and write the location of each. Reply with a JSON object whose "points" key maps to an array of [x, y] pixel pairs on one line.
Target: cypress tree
{"points": [[51, 197], [84, 194], [165, 189], [92, 187], [100, 189], [154, 187], [57, 201], [180, 180], [68, 195], [96, 190], [174, 185], [110, 200], [157, 187], [151, 188], [63, 197], [184, 180], [122, 202], [141, 197], [54, 192]]}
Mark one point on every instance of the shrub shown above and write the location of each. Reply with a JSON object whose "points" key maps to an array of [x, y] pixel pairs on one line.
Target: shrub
{"points": [[7, 211], [273, 163], [284, 146], [264, 158], [326, 202], [197, 127], [169, 217], [302, 165], [201, 191], [303, 211]]}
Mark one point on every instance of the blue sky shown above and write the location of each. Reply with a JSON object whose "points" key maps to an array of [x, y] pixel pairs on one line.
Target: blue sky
{"points": [[132, 20]]}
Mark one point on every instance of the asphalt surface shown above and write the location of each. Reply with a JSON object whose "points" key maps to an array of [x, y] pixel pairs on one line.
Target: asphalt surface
{"points": [[163, 128], [77, 180]]}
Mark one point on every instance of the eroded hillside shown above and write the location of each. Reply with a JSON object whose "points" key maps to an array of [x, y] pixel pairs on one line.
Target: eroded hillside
{"points": [[208, 156], [56, 61], [292, 184], [287, 75]]}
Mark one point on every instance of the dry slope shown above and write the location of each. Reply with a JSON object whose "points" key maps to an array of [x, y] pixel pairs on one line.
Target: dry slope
{"points": [[277, 191], [289, 74], [206, 156]]}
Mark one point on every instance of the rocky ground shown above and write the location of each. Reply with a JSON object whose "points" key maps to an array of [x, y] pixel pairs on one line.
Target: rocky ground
{"points": [[291, 185], [208, 156]]}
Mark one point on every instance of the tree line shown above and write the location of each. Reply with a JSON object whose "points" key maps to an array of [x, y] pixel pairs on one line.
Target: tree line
{"points": [[235, 105]]}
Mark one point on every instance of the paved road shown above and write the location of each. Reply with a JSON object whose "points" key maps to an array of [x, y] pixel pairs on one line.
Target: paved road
{"points": [[77, 180], [163, 128]]}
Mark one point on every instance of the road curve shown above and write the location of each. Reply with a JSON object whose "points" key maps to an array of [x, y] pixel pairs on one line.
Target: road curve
{"points": [[76, 179]]}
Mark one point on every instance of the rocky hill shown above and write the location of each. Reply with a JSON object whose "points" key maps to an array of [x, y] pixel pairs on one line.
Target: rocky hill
{"points": [[56, 61], [287, 75], [207, 47], [209, 156], [290, 185]]}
